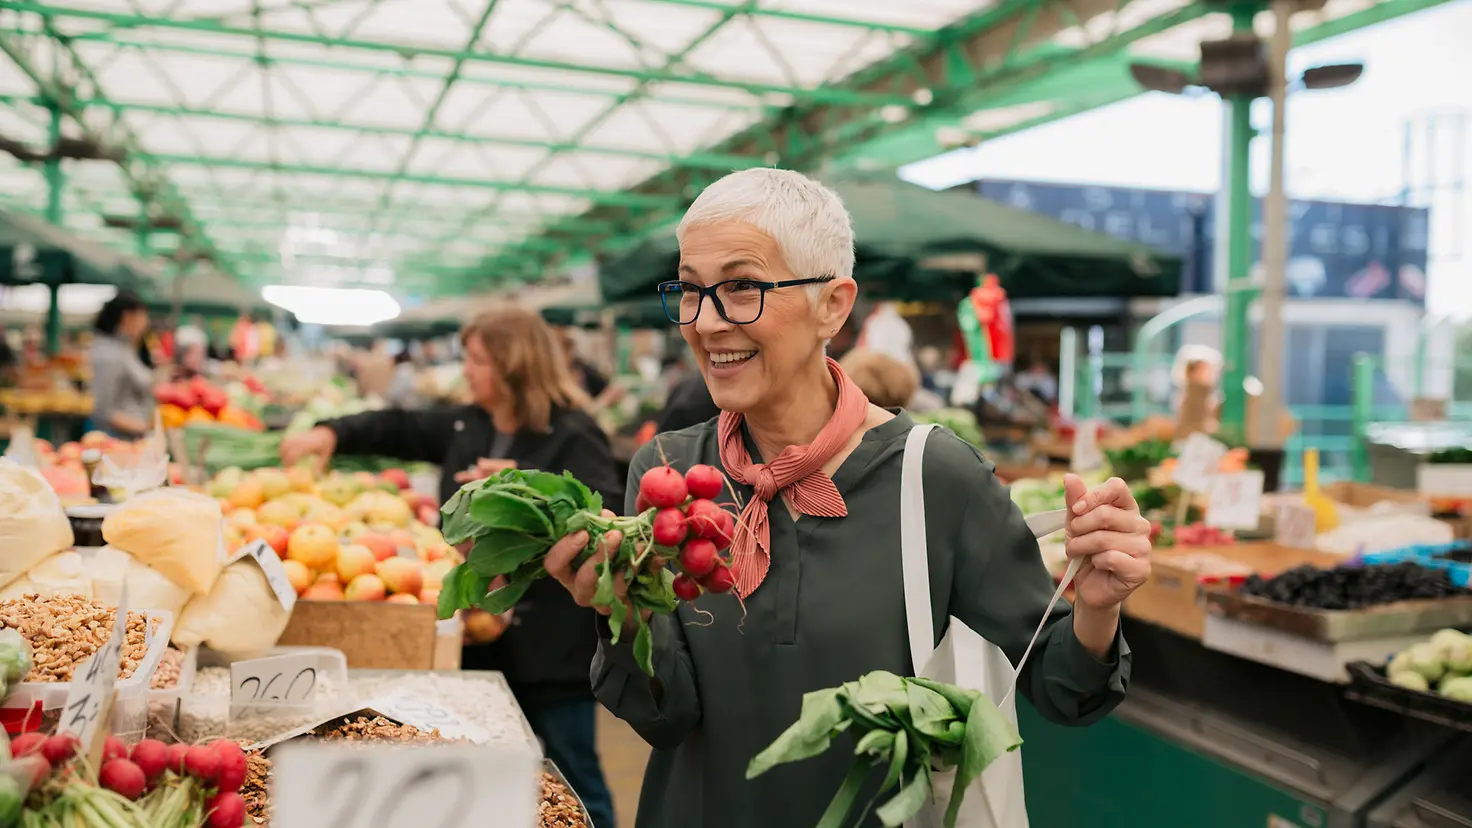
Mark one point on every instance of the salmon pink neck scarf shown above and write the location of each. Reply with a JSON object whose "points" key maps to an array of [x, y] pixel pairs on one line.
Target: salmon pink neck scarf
{"points": [[797, 473]]}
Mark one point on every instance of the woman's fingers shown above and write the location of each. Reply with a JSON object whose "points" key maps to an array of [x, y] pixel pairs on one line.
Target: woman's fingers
{"points": [[561, 556], [1103, 541], [1108, 518]]}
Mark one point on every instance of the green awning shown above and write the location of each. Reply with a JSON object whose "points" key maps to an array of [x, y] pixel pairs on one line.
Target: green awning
{"points": [[897, 226]]}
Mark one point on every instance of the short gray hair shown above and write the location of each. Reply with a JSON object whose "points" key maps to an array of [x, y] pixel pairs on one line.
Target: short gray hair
{"points": [[807, 220]]}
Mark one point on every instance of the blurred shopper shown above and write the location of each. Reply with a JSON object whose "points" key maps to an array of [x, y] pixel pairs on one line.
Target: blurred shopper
{"points": [[402, 389], [888, 382], [689, 404], [122, 385], [528, 412], [1039, 381]]}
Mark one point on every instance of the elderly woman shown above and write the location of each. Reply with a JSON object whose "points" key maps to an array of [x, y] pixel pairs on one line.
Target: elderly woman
{"points": [[765, 279]]}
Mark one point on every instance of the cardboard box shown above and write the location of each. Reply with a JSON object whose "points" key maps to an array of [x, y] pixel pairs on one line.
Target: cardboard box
{"points": [[371, 634]]}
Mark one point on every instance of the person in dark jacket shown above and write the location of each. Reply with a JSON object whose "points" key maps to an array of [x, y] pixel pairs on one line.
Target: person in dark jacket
{"points": [[689, 403], [528, 413]]}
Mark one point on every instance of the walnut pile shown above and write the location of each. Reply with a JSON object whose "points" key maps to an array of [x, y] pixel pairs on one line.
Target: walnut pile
{"points": [[256, 790], [377, 729], [66, 630], [166, 675], [558, 808]]}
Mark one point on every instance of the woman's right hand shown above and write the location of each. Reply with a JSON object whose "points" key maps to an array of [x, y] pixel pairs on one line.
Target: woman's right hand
{"points": [[319, 443]]}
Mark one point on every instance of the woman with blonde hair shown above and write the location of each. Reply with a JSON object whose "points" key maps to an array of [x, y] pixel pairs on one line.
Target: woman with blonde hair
{"points": [[527, 412]]}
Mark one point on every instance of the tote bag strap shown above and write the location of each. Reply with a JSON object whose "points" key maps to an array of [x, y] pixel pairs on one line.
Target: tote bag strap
{"points": [[914, 551]]}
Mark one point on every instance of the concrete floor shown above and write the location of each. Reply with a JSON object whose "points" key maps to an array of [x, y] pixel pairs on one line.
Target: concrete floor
{"points": [[624, 755]]}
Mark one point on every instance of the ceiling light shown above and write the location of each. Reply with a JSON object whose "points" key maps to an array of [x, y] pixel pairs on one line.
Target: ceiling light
{"points": [[333, 306]]}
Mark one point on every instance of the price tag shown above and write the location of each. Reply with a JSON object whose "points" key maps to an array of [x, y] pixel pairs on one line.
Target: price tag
{"points": [[427, 715], [322, 785], [273, 685], [89, 699], [1234, 501], [1086, 454], [266, 558], [1199, 459], [1297, 526]]}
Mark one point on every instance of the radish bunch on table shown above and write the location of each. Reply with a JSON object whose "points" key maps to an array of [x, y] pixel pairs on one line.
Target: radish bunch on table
{"points": [[515, 517]]}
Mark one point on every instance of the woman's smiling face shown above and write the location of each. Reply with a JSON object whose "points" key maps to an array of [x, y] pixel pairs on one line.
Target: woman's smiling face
{"points": [[748, 367]]}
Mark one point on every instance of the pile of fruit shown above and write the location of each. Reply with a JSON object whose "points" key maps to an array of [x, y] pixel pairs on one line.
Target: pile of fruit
{"points": [[63, 468], [150, 784], [1190, 534], [1442, 664], [358, 537], [1352, 587], [200, 401]]}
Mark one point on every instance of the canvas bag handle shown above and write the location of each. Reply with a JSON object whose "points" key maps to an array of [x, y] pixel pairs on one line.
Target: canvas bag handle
{"points": [[915, 553]]}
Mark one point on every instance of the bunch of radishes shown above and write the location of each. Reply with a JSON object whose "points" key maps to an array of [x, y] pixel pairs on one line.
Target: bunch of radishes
{"points": [[687, 518], [160, 785]]}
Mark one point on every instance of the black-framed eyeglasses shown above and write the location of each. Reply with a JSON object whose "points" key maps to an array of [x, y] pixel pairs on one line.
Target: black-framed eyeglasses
{"points": [[738, 301]]}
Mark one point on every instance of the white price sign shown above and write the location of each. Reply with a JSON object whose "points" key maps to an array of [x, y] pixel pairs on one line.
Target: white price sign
{"points": [[428, 715], [1199, 460], [1234, 501], [1086, 454], [275, 684], [270, 564], [89, 699], [1297, 526], [319, 785]]}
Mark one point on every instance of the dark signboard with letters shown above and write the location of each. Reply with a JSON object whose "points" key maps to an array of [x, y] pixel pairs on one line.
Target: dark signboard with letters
{"points": [[1338, 249]]}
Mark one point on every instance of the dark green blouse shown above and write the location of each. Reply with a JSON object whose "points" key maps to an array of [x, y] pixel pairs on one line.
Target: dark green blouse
{"points": [[830, 610]]}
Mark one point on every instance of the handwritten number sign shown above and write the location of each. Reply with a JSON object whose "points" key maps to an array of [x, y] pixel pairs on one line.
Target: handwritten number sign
{"points": [[1235, 500], [429, 715], [319, 785], [89, 698], [273, 685], [1296, 526], [1199, 460], [1086, 454], [270, 564]]}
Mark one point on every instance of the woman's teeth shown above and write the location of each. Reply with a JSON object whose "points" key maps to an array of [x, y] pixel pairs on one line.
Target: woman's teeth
{"points": [[731, 357]]}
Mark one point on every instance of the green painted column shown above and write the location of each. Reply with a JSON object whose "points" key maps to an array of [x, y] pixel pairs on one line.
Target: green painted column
{"points": [[1362, 411], [1236, 329], [55, 186]]}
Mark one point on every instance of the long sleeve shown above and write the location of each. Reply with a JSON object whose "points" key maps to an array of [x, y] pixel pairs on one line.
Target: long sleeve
{"points": [[1001, 588], [664, 709], [407, 435]]}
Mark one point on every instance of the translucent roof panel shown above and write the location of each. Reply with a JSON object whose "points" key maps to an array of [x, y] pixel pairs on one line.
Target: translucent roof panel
{"points": [[435, 146]]}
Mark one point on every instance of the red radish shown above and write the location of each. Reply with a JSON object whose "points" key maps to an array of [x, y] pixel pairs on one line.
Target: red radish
{"points": [[705, 481], [698, 557], [30, 769], [686, 588], [663, 487], [27, 744], [642, 504], [709, 521], [176, 758], [225, 810], [232, 765], [114, 748], [720, 580], [123, 777], [202, 763], [59, 748], [152, 756], [669, 527]]}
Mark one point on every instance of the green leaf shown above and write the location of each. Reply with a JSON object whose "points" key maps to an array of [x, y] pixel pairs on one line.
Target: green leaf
{"points": [[809, 736], [506, 597], [456, 525], [644, 647], [658, 597], [897, 758], [908, 802], [876, 743], [880, 691], [497, 508], [930, 713], [848, 794], [618, 615], [500, 552], [586, 498], [461, 588], [604, 595], [988, 735], [960, 698]]}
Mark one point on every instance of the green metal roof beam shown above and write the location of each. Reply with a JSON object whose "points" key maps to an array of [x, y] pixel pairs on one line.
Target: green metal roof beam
{"points": [[783, 14], [820, 94]]}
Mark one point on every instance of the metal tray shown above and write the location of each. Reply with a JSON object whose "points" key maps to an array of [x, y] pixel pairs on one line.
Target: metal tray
{"points": [[551, 768], [489, 676], [1333, 626]]}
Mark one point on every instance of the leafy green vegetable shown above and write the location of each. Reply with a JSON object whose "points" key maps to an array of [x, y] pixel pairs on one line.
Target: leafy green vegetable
{"points": [[906, 726], [514, 518]]}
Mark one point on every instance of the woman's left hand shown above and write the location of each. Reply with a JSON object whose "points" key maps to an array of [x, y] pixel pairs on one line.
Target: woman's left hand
{"points": [[1106, 529]]}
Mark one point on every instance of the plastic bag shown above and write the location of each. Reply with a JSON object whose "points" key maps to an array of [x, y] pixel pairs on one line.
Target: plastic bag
{"points": [[177, 532], [240, 617], [32, 523], [140, 471], [64, 573], [148, 588]]}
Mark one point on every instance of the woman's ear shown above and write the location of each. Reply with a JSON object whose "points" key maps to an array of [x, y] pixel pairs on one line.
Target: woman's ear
{"points": [[835, 305]]}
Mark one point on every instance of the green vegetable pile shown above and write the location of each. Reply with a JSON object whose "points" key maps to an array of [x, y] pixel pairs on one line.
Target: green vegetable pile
{"points": [[1133, 463], [15, 659], [1443, 663], [910, 727]]}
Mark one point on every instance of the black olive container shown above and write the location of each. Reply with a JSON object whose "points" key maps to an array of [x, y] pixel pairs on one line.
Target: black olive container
{"points": [[87, 524]]}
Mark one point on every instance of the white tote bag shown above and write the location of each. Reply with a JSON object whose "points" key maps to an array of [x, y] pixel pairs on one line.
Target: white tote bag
{"points": [[963, 658]]}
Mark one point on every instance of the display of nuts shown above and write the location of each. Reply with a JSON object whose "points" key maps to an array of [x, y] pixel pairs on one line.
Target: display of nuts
{"points": [[558, 808], [66, 630], [376, 729], [257, 788], [166, 675]]}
